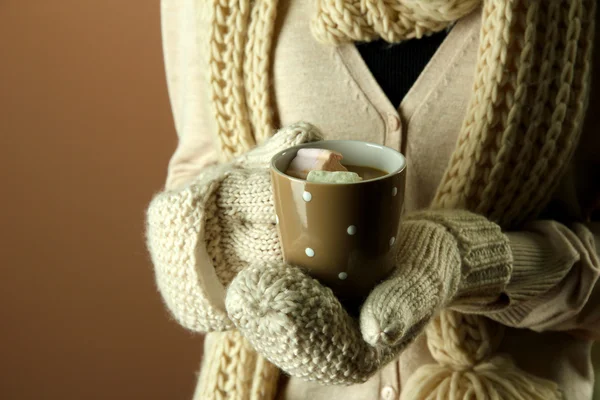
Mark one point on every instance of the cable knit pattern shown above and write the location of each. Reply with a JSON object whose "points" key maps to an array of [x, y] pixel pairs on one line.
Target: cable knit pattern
{"points": [[233, 370], [509, 158], [507, 161], [228, 35], [240, 46], [257, 67]]}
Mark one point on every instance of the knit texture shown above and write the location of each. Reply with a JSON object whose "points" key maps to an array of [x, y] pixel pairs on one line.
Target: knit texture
{"points": [[300, 326], [525, 116], [486, 258], [227, 215], [233, 370], [278, 308], [176, 222], [522, 125], [239, 57], [393, 21], [523, 121], [467, 367], [427, 275], [443, 256], [535, 256], [240, 226]]}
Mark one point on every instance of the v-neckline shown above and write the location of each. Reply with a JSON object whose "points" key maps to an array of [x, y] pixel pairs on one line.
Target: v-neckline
{"points": [[364, 78]]}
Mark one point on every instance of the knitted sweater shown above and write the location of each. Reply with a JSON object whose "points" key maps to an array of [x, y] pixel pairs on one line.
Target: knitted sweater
{"points": [[350, 104]]}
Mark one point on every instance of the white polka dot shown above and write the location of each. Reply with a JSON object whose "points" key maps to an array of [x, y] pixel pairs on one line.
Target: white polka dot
{"points": [[351, 230], [388, 393], [276, 219], [307, 196], [394, 191], [392, 241], [342, 276], [309, 252]]}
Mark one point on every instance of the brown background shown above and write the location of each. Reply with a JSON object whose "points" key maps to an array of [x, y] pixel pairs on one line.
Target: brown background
{"points": [[85, 133]]}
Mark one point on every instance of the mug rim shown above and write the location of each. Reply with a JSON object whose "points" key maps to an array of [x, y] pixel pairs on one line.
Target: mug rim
{"points": [[304, 145]]}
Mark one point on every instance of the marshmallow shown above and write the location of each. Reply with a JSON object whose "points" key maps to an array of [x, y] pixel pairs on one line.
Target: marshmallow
{"points": [[307, 160], [333, 177]]}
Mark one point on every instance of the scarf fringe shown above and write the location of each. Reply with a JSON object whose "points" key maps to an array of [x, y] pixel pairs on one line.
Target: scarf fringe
{"points": [[496, 379]]}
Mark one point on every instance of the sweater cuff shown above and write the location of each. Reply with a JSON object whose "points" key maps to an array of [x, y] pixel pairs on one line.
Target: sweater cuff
{"points": [[537, 266], [541, 261]]}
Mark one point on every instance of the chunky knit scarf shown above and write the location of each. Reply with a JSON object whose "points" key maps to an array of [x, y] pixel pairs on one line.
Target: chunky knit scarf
{"points": [[521, 127]]}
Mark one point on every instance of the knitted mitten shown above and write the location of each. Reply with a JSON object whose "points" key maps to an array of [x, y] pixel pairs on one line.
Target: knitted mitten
{"points": [[201, 235], [301, 327], [446, 258]]}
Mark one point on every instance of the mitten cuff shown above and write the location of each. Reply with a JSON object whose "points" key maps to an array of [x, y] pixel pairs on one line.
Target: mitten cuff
{"points": [[486, 257]]}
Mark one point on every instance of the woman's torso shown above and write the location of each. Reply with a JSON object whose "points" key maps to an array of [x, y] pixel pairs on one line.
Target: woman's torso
{"points": [[333, 88]]}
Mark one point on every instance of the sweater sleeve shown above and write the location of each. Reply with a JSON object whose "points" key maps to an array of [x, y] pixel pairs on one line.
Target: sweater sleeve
{"points": [[555, 279], [185, 47]]}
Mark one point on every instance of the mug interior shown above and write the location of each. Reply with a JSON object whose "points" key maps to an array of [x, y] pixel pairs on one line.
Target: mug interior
{"points": [[355, 152]]}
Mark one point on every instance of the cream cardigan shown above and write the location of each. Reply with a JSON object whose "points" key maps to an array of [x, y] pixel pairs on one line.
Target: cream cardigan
{"points": [[332, 88]]}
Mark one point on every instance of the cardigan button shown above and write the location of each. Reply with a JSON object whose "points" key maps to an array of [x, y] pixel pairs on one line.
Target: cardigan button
{"points": [[388, 393], [393, 122]]}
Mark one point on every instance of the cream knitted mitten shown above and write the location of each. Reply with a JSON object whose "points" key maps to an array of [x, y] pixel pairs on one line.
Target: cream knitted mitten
{"points": [[300, 326], [447, 258], [201, 235]]}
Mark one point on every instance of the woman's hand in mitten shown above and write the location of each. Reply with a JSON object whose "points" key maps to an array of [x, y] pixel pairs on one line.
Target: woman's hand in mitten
{"points": [[202, 235], [301, 327], [447, 258]]}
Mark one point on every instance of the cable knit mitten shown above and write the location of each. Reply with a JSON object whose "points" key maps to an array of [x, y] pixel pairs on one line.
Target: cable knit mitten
{"points": [[202, 235], [300, 326]]}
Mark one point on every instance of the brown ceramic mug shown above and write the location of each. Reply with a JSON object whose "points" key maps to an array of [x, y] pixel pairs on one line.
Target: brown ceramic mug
{"points": [[342, 234]]}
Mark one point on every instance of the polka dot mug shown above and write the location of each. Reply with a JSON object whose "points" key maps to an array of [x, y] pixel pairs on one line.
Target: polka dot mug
{"points": [[342, 234]]}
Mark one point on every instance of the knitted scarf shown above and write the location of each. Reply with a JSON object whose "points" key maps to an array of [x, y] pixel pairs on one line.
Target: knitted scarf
{"points": [[521, 128]]}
